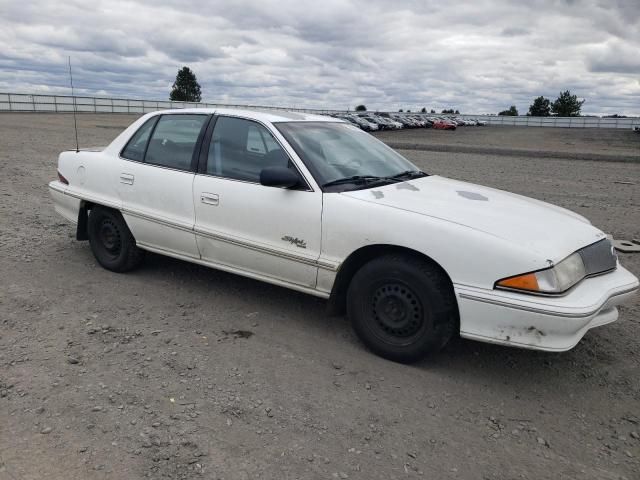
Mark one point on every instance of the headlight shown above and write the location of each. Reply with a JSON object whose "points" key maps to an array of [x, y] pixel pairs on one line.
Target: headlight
{"points": [[554, 280]]}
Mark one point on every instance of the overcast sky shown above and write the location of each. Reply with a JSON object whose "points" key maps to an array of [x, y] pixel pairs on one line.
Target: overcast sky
{"points": [[477, 56]]}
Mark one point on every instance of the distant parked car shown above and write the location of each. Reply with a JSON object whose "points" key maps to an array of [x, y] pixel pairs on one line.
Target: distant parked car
{"points": [[414, 123], [403, 121], [467, 122], [442, 124], [363, 123], [420, 121], [381, 122], [349, 119]]}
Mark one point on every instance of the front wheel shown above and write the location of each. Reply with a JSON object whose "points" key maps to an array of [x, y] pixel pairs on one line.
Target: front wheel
{"points": [[111, 240], [402, 307]]}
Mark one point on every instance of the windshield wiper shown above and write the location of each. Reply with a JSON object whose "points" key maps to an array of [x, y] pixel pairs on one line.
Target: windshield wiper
{"points": [[367, 179], [357, 179], [407, 174]]}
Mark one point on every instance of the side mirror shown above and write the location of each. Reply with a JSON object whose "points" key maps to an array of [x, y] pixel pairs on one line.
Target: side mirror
{"points": [[279, 177]]}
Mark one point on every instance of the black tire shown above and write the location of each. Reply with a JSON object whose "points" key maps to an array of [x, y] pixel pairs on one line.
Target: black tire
{"points": [[402, 307], [111, 240]]}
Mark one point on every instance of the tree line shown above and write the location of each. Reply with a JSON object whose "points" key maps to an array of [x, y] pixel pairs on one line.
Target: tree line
{"points": [[566, 105], [187, 89]]}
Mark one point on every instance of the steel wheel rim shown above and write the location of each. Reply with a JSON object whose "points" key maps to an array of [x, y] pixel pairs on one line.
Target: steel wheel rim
{"points": [[110, 237], [397, 313]]}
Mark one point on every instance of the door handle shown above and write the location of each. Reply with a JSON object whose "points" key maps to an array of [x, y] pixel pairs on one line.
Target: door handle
{"points": [[126, 178], [209, 198]]}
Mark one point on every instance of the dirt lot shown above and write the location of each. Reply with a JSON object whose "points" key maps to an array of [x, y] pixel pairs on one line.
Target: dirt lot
{"points": [[575, 143], [111, 376]]}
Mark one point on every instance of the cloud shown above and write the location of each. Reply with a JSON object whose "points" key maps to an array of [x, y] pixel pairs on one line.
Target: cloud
{"points": [[614, 57], [479, 56]]}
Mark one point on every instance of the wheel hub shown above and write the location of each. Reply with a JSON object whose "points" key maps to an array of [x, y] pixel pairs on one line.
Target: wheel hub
{"points": [[110, 236], [397, 310]]}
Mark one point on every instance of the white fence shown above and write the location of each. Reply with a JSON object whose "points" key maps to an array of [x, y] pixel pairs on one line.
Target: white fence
{"points": [[22, 102], [566, 122]]}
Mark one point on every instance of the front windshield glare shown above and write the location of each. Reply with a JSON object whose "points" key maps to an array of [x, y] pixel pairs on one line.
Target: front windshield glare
{"points": [[333, 151]]}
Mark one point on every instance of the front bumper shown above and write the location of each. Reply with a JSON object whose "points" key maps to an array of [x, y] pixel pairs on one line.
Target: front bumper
{"points": [[540, 322]]}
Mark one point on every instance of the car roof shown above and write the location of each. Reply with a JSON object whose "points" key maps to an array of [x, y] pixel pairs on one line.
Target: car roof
{"points": [[263, 115]]}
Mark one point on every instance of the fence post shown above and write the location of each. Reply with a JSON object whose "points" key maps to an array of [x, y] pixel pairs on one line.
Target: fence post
{"points": [[55, 102], [95, 107], [33, 102]]}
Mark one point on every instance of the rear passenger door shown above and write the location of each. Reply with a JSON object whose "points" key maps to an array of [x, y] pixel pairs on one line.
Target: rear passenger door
{"points": [[156, 181]]}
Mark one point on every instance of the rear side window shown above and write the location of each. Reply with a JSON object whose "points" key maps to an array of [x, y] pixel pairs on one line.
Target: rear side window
{"points": [[137, 144], [174, 139]]}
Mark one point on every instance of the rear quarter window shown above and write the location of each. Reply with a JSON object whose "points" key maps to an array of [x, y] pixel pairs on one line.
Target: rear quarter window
{"points": [[138, 143]]}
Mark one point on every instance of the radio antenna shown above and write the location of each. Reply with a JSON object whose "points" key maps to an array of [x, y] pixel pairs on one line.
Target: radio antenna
{"points": [[75, 123]]}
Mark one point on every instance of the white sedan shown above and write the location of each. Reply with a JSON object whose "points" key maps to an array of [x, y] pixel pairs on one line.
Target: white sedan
{"points": [[314, 204]]}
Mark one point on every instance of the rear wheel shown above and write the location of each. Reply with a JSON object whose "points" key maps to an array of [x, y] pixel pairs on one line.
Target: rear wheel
{"points": [[402, 307], [111, 240]]}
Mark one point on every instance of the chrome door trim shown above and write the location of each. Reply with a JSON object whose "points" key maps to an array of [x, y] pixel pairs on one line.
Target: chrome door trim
{"points": [[268, 250]]}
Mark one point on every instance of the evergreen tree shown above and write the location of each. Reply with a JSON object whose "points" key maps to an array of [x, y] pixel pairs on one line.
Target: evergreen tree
{"points": [[186, 87], [567, 105], [512, 112], [541, 107]]}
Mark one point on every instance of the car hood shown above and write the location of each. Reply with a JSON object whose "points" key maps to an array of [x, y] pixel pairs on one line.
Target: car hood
{"points": [[551, 231]]}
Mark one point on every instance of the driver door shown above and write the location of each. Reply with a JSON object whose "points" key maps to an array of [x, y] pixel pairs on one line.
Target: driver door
{"points": [[243, 225]]}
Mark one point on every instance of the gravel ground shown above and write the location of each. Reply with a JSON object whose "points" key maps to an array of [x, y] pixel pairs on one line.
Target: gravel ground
{"points": [[576, 143], [179, 371]]}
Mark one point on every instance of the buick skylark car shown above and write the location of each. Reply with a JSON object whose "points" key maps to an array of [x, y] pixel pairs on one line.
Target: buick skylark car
{"points": [[314, 204]]}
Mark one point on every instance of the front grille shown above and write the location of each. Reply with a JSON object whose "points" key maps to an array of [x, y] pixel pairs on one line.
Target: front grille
{"points": [[598, 257]]}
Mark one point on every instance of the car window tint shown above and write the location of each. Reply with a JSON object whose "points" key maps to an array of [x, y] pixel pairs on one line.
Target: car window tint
{"points": [[240, 149], [138, 142], [174, 140]]}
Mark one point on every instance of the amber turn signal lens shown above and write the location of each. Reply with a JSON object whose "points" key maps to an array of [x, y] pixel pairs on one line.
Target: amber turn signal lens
{"points": [[521, 282]]}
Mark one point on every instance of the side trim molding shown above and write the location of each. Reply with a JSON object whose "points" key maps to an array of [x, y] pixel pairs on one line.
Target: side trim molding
{"points": [[263, 249], [331, 266]]}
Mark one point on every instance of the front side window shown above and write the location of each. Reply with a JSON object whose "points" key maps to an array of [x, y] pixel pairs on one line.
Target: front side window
{"points": [[174, 139], [241, 148], [342, 153], [138, 142]]}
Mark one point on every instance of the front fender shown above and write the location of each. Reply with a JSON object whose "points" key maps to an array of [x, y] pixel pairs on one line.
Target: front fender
{"points": [[468, 256]]}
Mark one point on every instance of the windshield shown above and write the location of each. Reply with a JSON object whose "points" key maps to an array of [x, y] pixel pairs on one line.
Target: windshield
{"points": [[340, 151]]}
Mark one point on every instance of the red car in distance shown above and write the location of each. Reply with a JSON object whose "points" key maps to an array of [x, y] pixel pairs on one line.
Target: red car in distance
{"points": [[442, 124]]}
